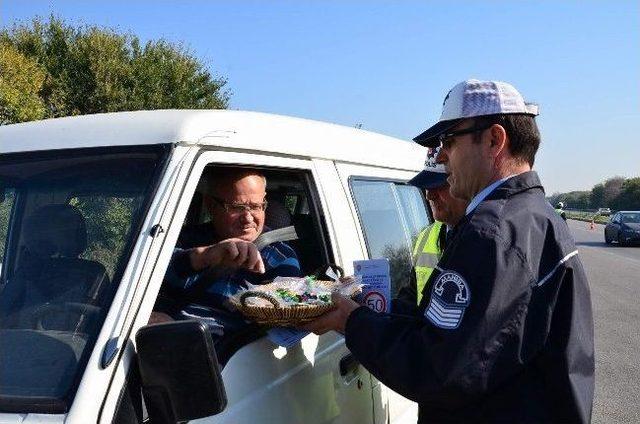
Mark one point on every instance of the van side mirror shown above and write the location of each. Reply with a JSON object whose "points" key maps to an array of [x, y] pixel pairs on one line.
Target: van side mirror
{"points": [[180, 372]]}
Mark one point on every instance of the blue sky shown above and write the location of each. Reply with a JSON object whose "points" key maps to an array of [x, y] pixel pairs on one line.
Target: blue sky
{"points": [[388, 64]]}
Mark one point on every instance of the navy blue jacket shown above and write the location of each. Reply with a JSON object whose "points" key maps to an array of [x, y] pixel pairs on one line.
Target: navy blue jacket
{"points": [[504, 332]]}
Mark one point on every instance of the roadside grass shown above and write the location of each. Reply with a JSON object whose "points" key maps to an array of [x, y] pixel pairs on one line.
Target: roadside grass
{"points": [[587, 216]]}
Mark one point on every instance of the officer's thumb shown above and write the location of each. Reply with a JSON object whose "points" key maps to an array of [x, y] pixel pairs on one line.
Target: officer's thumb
{"points": [[337, 298]]}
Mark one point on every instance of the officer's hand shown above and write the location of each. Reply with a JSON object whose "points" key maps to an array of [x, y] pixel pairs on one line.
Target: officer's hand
{"points": [[231, 253], [336, 319]]}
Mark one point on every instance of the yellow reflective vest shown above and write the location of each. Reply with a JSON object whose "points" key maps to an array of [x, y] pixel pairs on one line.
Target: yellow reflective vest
{"points": [[426, 254]]}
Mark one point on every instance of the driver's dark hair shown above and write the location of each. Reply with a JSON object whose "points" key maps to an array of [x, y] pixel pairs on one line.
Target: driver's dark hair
{"points": [[522, 131]]}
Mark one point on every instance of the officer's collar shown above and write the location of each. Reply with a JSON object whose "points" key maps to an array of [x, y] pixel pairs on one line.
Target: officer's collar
{"points": [[517, 184], [506, 187], [484, 193]]}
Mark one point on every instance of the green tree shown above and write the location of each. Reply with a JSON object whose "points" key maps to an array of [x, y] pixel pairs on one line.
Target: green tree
{"points": [[572, 200], [91, 70], [612, 189], [21, 80], [629, 197], [597, 198]]}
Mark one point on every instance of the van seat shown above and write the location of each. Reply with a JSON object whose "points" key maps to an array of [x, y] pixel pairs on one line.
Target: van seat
{"points": [[307, 246], [49, 270], [276, 215]]}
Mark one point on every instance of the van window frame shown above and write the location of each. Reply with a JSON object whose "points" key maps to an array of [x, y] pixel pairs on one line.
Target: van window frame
{"points": [[318, 214], [13, 222]]}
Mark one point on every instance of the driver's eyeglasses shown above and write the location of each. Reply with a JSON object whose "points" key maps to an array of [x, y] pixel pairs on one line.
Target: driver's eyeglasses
{"points": [[447, 139], [238, 208]]}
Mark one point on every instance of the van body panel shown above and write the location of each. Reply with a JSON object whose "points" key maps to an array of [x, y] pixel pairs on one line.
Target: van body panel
{"points": [[299, 384], [250, 130], [31, 418], [347, 247]]}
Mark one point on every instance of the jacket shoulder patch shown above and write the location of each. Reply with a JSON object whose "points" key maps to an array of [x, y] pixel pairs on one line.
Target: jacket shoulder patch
{"points": [[450, 297]]}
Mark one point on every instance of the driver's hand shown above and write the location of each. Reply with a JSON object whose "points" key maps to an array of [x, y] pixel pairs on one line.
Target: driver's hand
{"points": [[231, 253]]}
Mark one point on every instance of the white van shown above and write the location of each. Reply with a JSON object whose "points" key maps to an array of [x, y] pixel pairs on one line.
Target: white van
{"points": [[91, 210]]}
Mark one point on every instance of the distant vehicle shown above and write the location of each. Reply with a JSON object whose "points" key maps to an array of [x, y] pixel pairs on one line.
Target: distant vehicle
{"points": [[604, 211], [623, 228]]}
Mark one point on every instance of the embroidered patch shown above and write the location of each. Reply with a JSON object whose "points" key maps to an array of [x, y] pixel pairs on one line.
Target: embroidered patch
{"points": [[450, 296]]}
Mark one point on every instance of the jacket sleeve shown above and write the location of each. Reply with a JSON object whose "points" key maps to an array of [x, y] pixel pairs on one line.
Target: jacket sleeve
{"points": [[179, 273], [450, 367]]}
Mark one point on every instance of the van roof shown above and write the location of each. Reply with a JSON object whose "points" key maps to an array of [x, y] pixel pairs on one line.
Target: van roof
{"points": [[222, 128]]}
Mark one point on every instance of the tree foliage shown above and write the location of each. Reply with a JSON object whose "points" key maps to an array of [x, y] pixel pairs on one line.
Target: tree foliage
{"points": [[21, 80], [574, 199], [597, 196], [108, 221], [629, 197], [612, 189], [617, 193], [90, 69]]}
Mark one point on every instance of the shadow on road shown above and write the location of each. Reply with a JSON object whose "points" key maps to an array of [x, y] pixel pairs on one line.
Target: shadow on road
{"points": [[605, 245]]}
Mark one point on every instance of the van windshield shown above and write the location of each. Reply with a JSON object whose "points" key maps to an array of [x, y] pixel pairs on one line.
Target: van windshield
{"points": [[68, 220]]}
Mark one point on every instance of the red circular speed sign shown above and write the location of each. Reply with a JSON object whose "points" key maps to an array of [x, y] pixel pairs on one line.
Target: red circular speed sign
{"points": [[375, 301]]}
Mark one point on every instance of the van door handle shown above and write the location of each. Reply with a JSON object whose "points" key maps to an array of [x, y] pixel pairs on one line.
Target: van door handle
{"points": [[348, 365]]}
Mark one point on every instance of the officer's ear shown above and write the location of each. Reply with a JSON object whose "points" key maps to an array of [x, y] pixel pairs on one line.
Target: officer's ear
{"points": [[498, 139]]}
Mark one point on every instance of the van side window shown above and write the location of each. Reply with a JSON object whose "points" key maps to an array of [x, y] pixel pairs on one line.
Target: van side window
{"points": [[391, 215], [291, 202]]}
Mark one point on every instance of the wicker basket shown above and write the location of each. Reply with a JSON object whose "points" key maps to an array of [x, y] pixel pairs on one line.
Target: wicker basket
{"points": [[279, 315]]}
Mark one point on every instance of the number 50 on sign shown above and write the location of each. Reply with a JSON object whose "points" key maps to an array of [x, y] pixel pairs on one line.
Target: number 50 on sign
{"points": [[375, 301]]}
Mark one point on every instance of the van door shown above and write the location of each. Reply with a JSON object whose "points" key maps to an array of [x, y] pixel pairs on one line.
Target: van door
{"points": [[390, 216], [265, 382]]}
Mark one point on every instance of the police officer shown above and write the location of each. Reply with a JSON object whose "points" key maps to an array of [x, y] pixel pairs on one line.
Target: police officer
{"points": [[560, 210], [431, 241], [505, 333]]}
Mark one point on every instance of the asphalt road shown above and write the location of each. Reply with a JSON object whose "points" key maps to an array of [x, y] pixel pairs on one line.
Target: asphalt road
{"points": [[614, 277]]}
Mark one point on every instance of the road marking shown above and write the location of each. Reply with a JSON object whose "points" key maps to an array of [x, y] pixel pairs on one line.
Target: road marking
{"points": [[611, 253]]}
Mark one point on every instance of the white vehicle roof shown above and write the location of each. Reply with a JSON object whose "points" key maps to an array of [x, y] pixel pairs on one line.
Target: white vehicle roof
{"points": [[221, 128]]}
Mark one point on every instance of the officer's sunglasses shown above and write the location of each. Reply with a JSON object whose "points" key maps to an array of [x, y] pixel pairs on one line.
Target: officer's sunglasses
{"points": [[446, 139], [239, 208]]}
